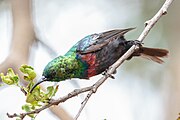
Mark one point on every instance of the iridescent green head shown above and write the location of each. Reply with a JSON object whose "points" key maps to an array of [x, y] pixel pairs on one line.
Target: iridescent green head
{"points": [[50, 72]]}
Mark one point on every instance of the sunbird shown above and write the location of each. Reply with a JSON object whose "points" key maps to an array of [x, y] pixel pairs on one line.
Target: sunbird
{"points": [[94, 54]]}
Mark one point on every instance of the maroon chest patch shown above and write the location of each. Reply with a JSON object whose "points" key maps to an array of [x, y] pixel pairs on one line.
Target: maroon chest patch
{"points": [[90, 58]]}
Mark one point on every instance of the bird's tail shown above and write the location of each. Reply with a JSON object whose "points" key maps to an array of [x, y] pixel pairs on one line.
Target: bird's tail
{"points": [[154, 54]]}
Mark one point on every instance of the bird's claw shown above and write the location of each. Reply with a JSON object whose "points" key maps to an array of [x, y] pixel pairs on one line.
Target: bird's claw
{"points": [[108, 75], [137, 42]]}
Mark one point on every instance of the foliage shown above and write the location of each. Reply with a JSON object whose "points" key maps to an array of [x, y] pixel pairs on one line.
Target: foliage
{"points": [[35, 99], [11, 78]]}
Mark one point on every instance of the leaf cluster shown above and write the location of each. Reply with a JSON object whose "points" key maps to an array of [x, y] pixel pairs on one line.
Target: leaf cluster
{"points": [[35, 99]]}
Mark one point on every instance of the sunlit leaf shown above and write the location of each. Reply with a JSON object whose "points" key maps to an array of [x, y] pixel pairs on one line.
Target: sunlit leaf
{"points": [[12, 75], [35, 96], [7, 80], [29, 71], [35, 99], [51, 91], [26, 107], [11, 78]]}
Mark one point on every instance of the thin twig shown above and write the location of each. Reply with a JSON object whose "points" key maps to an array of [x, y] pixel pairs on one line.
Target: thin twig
{"points": [[92, 89], [150, 23], [52, 102], [148, 26]]}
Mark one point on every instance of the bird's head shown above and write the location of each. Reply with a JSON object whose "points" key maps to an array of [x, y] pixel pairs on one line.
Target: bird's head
{"points": [[49, 74], [52, 71], [58, 69]]}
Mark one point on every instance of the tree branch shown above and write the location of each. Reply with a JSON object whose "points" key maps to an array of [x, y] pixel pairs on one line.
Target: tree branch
{"points": [[92, 89]]}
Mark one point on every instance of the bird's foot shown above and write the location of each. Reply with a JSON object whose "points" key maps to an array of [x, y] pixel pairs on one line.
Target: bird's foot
{"points": [[107, 74], [137, 42]]}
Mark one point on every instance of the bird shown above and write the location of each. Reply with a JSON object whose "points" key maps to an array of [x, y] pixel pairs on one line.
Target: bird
{"points": [[94, 54]]}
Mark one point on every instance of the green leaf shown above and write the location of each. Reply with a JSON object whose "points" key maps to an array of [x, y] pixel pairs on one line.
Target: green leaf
{"points": [[11, 78], [51, 91], [12, 75], [26, 108], [29, 86], [7, 80], [23, 68], [35, 96], [30, 98], [29, 71]]}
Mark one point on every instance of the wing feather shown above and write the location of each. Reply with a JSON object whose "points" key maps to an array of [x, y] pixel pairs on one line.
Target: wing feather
{"points": [[95, 42]]}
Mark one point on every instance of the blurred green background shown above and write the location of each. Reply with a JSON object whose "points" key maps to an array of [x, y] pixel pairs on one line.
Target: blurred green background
{"points": [[142, 89]]}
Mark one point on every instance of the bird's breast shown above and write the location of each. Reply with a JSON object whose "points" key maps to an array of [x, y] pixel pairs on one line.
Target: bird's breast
{"points": [[90, 59]]}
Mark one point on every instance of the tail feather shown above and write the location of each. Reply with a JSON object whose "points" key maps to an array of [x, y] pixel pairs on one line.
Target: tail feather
{"points": [[154, 54], [153, 58]]}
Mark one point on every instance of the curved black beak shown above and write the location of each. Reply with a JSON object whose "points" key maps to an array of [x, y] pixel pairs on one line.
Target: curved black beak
{"points": [[42, 80]]}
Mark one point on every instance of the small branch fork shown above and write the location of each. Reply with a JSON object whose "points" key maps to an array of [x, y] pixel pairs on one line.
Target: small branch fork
{"points": [[92, 89]]}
